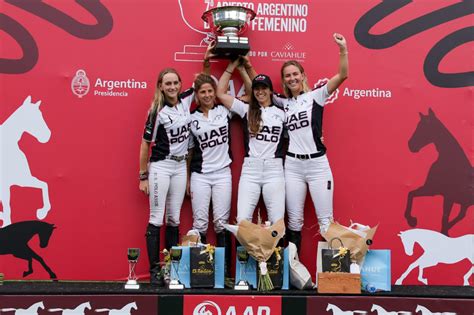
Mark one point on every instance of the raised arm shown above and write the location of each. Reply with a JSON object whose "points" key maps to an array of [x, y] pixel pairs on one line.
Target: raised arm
{"points": [[206, 66], [223, 84], [247, 81], [343, 73]]}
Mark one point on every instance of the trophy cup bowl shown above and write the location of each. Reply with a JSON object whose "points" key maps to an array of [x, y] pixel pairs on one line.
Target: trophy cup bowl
{"points": [[243, 258], [227, 23], [175, 256], [132, 257]]}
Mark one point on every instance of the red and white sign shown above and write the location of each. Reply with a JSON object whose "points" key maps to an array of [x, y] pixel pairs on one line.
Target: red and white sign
{"points": [[231, 305]]}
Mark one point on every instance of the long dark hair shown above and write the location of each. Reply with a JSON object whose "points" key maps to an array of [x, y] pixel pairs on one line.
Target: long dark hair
{"points": [[255, 115]]}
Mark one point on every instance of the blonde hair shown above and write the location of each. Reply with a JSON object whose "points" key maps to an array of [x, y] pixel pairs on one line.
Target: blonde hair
{"points": [[304, 83], [159, 97]]}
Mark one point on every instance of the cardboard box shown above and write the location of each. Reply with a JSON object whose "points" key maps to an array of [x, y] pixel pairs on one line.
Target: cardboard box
{"points": [[338, 282]]}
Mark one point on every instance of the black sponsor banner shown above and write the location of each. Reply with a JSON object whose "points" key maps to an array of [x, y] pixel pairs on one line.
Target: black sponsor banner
{"points": [[293, 305], [171, 304]]}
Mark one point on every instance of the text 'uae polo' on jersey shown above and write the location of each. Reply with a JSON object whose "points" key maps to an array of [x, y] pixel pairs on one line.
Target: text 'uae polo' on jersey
{"points": [[304, 120], [210, 140], [268, 142], [169, 128]]}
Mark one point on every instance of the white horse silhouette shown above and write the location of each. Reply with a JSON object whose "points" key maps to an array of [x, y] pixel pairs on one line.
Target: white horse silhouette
{"points": [[438, 248], [381, 311], [126, 310], [337, 311], [79, 310], [425, 311], [14, 165], [32, 310]]}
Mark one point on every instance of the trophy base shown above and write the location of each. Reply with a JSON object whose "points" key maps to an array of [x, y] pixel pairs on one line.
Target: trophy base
{"points": [[175, 285], [132, 284], [226, 49], [242, 286]]}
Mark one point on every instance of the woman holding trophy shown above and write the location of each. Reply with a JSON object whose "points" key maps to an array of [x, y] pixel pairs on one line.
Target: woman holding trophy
{"points": [[306, 162], [262, 171], [163, 173], [210, 175]]}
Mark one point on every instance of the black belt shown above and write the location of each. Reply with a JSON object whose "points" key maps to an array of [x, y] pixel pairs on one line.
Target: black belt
{"points": [[306, 156], [177, 158]]}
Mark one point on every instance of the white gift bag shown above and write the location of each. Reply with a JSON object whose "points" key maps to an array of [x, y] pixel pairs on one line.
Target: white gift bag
{"points": [[300, 277]]}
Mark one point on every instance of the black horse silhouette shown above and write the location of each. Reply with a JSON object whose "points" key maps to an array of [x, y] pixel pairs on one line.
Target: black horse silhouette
{"points": [[450, 176], [14, 240]]}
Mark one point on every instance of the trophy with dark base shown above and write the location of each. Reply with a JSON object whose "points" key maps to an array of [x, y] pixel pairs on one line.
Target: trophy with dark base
{"points": [[227, 23], [175, 256], [243, 258], [132, 256]]}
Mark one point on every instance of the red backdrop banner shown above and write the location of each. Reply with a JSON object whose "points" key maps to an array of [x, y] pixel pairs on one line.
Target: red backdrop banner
{"points": [[399, 129]]}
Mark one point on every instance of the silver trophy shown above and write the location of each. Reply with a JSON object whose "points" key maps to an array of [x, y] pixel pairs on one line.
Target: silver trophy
{"points": [[132, 256], [243, 258], [175, 256], [227, 23]]}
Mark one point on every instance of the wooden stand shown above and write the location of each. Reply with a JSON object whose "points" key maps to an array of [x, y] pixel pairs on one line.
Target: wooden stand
{"points": [[338, 282]]}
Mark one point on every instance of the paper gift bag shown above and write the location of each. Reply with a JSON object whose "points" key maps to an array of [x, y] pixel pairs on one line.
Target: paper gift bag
{"points": [[334, 259], [357, 241], [202, 268], [184, 270], [376, 273]]}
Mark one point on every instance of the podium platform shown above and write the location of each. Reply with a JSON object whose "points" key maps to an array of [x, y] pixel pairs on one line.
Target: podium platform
{"points": [[105, 297]]}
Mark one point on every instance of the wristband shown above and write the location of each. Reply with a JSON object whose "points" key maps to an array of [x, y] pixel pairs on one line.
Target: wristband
{"points": [[228, 71], [143, 176]]}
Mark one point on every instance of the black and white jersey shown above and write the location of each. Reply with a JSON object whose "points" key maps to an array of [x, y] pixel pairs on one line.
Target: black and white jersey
{"points": [[268, 143], [169, 128], [304, 120], [211, 140]]}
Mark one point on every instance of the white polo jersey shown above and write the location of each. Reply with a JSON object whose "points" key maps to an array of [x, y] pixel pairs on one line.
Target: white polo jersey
{"points": [[268, 142], [169, 129], [210, 139], [304, 120]]}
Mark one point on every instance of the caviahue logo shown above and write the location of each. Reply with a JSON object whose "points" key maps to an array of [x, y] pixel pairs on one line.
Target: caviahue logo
{"points": [[81, 85]]}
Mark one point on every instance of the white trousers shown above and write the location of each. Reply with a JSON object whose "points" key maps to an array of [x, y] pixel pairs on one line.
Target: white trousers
{"points": [[315, 174], [167, 184], [204, 187], [266, 177]]}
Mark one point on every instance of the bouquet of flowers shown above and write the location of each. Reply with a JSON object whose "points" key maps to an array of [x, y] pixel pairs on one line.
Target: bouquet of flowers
{"points": [[260, 242]]}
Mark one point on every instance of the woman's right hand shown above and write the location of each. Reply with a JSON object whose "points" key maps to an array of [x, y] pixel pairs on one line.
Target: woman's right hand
{"points": [[144, 186], [188, 188]]}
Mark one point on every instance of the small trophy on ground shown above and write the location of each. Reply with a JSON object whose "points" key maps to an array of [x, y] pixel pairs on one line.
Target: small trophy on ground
{"points": [[227, 23], [243, 258], [132, 255], [175, 255]]}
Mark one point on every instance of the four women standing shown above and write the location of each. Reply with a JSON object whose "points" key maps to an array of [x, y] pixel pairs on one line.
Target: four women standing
{"points": [[266, 115]]}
